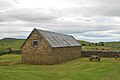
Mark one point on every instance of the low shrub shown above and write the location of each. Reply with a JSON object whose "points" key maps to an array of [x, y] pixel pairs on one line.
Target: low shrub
{"points": [[3, 51]]}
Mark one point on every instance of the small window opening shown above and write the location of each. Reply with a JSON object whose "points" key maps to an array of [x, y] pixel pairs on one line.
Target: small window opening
{"points": [[35, 42]]}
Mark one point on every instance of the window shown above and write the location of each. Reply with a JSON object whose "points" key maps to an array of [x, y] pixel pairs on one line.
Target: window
{"points": [[35, 42]]}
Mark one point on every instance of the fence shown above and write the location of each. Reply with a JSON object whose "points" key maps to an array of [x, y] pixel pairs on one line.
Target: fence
{"points": [[15, 51], [99, 53]]}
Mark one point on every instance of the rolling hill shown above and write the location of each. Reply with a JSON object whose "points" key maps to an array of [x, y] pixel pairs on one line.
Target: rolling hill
{"points": [[106, 46], [86, 46], [11, 43]]}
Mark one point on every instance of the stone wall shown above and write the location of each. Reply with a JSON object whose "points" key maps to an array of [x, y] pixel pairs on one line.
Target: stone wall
{"points": [[65, 54], [99, 53], [15, 51], [35, 54]]}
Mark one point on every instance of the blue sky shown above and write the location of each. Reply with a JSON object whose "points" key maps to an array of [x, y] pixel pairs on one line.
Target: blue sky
{"points": [[90, 20]]}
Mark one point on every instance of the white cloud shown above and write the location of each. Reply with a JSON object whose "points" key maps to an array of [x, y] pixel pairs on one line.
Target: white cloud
{"points": [[44, 4], [98, 36], [6, 4], [92, 20]]}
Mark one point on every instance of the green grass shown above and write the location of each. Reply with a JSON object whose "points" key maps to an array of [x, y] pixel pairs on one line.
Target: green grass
{"points": [[96, 48], [113, 45], [10, 57], [79, 69], [11, 43], [16, 44], [108, 46], [84, 42]]}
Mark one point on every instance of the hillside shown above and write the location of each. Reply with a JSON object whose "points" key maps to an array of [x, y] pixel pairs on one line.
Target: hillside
{"points": [[101, 46], [11, 43], [83, 42], [86, 46]]}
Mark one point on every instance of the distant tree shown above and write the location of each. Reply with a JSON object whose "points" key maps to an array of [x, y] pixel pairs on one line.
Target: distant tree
{"points": [[89, 44], [101, 43], [83, 44], [96, 44], [92, 43]]}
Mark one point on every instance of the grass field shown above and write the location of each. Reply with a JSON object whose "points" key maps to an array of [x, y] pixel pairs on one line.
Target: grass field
{"points": [[108, 46], [16, 44], [11, 43], [79, 69]]}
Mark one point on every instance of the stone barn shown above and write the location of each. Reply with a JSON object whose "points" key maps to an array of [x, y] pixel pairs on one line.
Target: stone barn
{"points": [[45, 47]]}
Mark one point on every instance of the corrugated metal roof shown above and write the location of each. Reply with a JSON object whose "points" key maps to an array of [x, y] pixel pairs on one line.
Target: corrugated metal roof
{"points": [[59, 40]]}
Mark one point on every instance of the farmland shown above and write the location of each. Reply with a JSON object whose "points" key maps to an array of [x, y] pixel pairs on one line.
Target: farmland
{"points": [[87, 46], [11, 67], [11, 43], [101, 46], [79, 69]]}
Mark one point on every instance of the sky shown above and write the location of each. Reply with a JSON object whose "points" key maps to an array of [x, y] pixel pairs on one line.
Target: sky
{"points": [[89, 20]]}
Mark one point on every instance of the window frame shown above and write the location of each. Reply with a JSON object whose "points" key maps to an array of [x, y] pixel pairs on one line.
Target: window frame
{"points": [[35, 44]]}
